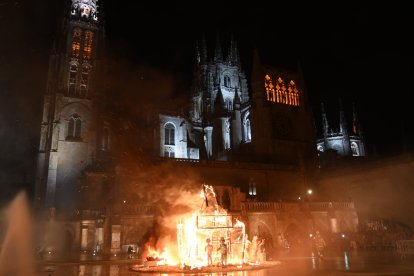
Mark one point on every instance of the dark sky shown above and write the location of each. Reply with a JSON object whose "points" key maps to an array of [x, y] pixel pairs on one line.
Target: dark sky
{"points": [[356, 53], [353, 53]]}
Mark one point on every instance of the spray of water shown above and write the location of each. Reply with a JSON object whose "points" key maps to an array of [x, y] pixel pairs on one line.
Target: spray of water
{"points": [[16, 255]]}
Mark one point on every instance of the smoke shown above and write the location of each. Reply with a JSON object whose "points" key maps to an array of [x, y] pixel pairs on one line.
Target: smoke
{"points": [[16, 255], [173, 190]]}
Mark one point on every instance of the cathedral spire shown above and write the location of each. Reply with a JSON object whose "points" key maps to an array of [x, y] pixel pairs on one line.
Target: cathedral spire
{"points": [[197, 55], [203, 53], [355, 123], [236, 55], [219, 109], [325, 124], [218, 54], [343, 126], [230, 52], [343, 129]]}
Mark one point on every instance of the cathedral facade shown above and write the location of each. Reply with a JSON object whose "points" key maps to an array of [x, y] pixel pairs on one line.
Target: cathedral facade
{"points": [[251, 137]]}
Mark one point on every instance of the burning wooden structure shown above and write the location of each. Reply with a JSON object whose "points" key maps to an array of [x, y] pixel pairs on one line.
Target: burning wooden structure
{"points": [[213, 223]]}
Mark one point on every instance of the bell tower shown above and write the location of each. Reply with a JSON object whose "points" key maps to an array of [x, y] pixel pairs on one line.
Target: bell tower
{"points": [[69, 127]]}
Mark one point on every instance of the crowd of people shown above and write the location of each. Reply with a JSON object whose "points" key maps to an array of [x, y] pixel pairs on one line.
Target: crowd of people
{"points": [[371, 235]]}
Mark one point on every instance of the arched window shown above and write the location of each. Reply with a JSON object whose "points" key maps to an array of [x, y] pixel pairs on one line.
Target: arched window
{"points": [[227, 82], [247, 135], [169, 138], [73, 70], [76, 42], [355, 149], [74, 127]]}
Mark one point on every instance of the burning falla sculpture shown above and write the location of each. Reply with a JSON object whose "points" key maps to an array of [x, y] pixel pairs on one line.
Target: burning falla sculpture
{"points": [[211, 223]]}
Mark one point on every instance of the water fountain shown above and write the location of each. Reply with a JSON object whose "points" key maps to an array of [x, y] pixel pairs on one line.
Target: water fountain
{"points": [[16, 253]]}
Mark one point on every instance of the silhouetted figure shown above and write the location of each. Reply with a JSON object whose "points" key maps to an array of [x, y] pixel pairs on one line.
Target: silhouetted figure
{"points": [[319, 244], [223, 251], [209, 251]]}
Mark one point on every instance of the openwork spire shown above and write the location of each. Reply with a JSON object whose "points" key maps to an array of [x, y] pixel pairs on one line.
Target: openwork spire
{"points": [[218, 54], [86, 10], [325, 124]]}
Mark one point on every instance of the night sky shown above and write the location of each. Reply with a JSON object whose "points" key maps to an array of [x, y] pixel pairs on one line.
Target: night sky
{"points": [[353, 53]]}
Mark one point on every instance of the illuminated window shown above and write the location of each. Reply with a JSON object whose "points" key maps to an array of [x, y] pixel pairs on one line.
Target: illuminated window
{"points": [[84, 81], [280, 92], [169, 135], [74, 127], [73, 70], [247, 130], [87, 45], [76, 42], [252, 187]]}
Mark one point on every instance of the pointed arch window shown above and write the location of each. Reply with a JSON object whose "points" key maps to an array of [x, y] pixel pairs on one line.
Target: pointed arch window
{"points": [[74, 127], [281, 91], [73, 71], [229, 105], [84, 81], [169, 138], [87, 45], [247, 136], [227, 82], [76, 42], [248, 130]]}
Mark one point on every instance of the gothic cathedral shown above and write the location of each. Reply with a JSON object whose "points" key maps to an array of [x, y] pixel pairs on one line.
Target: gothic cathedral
{"points": [[251, 136]]}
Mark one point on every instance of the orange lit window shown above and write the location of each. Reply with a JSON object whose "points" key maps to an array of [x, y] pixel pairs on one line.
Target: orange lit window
{"points": [[87, 46], [281, 92], [76, 42]]}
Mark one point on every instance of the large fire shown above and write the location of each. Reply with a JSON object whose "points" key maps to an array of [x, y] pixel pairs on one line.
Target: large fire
{"points": [[210, 227]]}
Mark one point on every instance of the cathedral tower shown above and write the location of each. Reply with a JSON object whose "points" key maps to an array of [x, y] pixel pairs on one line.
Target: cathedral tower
{"points": [[220, 76], [69, 127], [346, 141]]}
